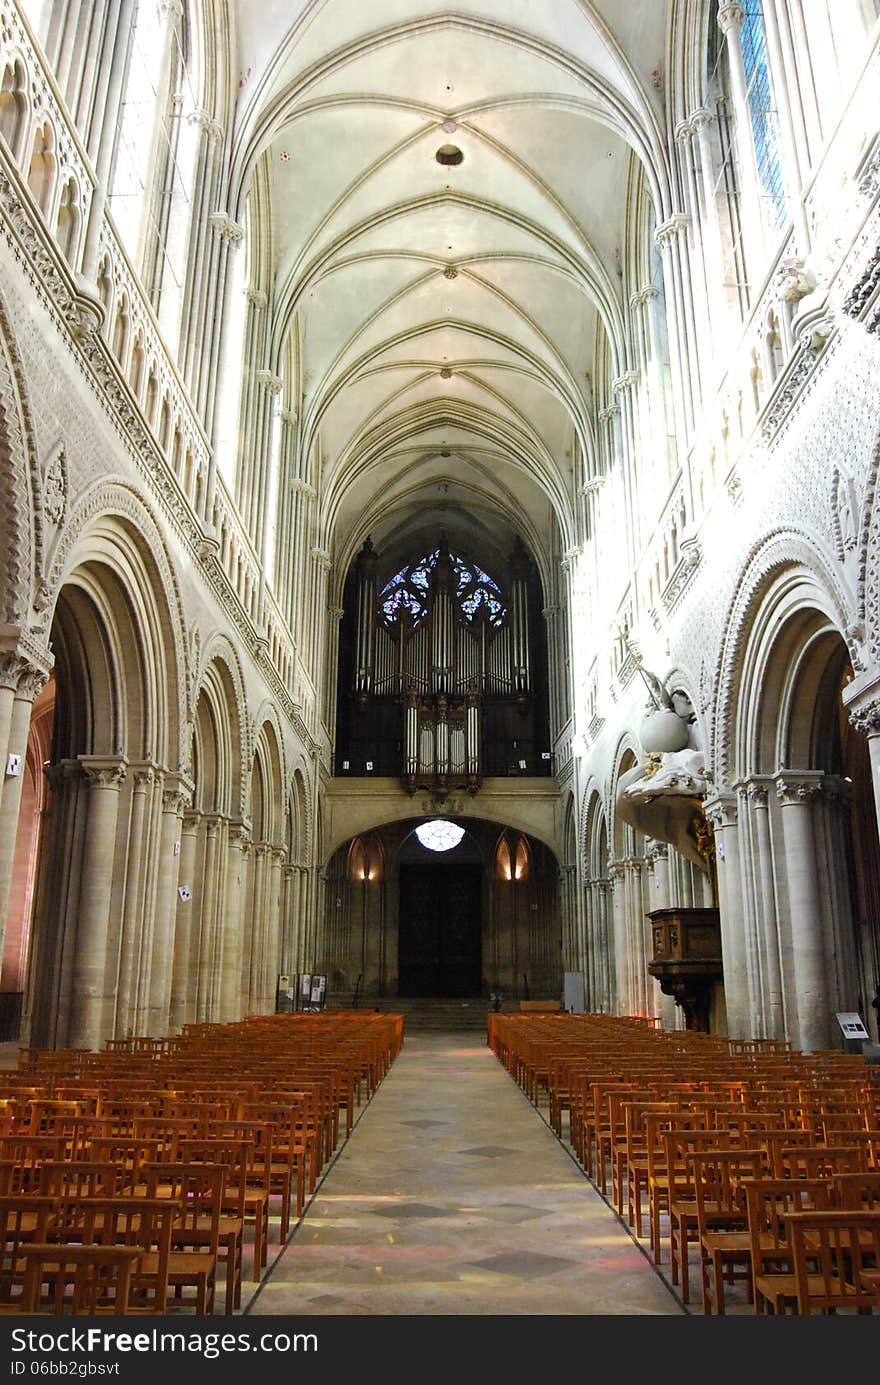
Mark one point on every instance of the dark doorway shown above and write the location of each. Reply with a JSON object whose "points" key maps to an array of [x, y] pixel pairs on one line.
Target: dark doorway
{"points": [[440, 938]]}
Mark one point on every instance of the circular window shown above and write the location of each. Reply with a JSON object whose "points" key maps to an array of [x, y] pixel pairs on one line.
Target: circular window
{"points": [[439, 835], [449, 155]]}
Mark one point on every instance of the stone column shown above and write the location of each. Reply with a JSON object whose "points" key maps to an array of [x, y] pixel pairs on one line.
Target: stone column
{"points": [[130, 953], [730, 19], [722, 812], [208, 922], [20, 681], [617, 876], [198, 365], [229, 237], [861, 698], [91, 1005], [233, 932], [666, 237], [258, 929], [796, 790], [176, 797], [183, 976], [107, 142], [765, 895], [272, 948]]}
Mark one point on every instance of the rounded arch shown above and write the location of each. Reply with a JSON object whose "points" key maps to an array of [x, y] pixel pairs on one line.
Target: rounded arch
{"points": [[301, 816], [111, 527], [785, 574], [217, 744], [267, 823]]}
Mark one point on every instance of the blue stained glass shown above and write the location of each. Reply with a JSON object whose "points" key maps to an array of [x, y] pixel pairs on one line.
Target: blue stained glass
{"points": [[484, 577], [408, 589], [765, 131]]}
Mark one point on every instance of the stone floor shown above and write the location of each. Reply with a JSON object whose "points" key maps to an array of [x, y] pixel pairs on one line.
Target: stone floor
{"points": [[453, 1197]]}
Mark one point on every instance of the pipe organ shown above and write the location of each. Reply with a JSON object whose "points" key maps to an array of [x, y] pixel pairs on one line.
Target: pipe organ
{"points": [[449, 649]]}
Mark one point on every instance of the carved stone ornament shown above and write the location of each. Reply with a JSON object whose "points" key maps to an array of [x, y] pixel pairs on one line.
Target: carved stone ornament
{"points": [[55, 488]]}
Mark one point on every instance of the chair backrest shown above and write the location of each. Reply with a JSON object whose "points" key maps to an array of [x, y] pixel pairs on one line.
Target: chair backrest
{"points": [[83, 1280], [835, 1256], [23, 1218], [233, 1154], [197, 1190], [768, 1202], [717, 1174], [143, 1223], [857, 1191]]}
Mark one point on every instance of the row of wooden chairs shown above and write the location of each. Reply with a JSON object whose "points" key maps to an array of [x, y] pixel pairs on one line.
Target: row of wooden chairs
{"points": [[675, 1127], [172, 1151]]}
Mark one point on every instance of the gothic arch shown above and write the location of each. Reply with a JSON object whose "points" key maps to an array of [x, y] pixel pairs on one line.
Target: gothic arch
{"points": [[219, 707]]}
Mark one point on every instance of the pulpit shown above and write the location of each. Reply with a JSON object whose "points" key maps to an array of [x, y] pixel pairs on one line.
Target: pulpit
{"points": [[687, 959]]}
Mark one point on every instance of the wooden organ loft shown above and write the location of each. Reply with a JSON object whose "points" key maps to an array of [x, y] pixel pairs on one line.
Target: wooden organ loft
{"points": [[442, 672]]}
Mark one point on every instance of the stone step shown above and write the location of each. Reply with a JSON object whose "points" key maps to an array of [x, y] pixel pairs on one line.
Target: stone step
{"points": [[423, 1013]]}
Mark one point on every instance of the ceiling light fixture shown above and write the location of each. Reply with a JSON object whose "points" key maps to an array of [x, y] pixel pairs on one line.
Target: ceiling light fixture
{"points": [[449, 155]]}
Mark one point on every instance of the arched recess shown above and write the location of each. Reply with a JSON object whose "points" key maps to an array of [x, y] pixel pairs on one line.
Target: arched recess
{"points": [[806, 828], [99, 957], [206, 983], [492, 900]]}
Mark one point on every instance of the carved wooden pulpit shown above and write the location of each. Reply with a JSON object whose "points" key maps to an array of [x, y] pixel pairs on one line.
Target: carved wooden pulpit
{"points": [[687, 959]]}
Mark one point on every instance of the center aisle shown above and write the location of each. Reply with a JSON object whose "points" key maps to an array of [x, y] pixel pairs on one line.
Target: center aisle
{"points": [[453, 1197]]}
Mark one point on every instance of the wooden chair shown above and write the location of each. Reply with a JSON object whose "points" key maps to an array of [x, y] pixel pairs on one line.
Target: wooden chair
{"points": [[24, 1218], [721, 1219], [768, 1203], [836, 1257], [233, 1155], [197, 1192], [144, 1224], [90, 1280]]}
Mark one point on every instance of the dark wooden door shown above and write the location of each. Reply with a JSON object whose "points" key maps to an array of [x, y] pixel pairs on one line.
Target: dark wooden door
{"points": [[440, 935]]}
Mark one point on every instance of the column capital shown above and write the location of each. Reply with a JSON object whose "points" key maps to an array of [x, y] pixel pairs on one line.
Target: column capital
{"points": [[104, 772], [731, 15], [288, 417], [627, 381], [227, 229], [256, 297], [673, 226], [684, 131], [797, 786], [24, 664], [269, 381], [191, 820], [721, 810], [335, 612], [861, 698], [239, 835], [321, 557], [143, 777], [615, 872], [756, 789], [642, 297], [609, 412], [301, 487], [700, 118], [207, 125]]}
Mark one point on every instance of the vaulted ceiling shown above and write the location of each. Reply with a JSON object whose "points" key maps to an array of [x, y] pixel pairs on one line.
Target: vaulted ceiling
{"points": [[445, 314]]}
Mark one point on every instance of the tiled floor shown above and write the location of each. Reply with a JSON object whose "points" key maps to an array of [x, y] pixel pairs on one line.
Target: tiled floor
{"points": [[452, 1196]]}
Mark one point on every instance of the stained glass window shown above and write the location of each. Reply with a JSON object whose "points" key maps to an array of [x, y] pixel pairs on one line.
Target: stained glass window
{"points": [[765, 122], [475, 590]]}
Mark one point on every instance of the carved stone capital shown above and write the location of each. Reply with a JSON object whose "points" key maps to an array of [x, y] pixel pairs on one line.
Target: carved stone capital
{"points": [[731, 15], [143, 777], [673, 226], [24, 665], [797, 787], [861, 698], [239, 836], [321, 557], [642, 297], [722, 810], [104, 773], [616, 872], [228, 230], [611, 411], [700, 118], [256, 297], [268, 381], [625, 382], [207, 125]]}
